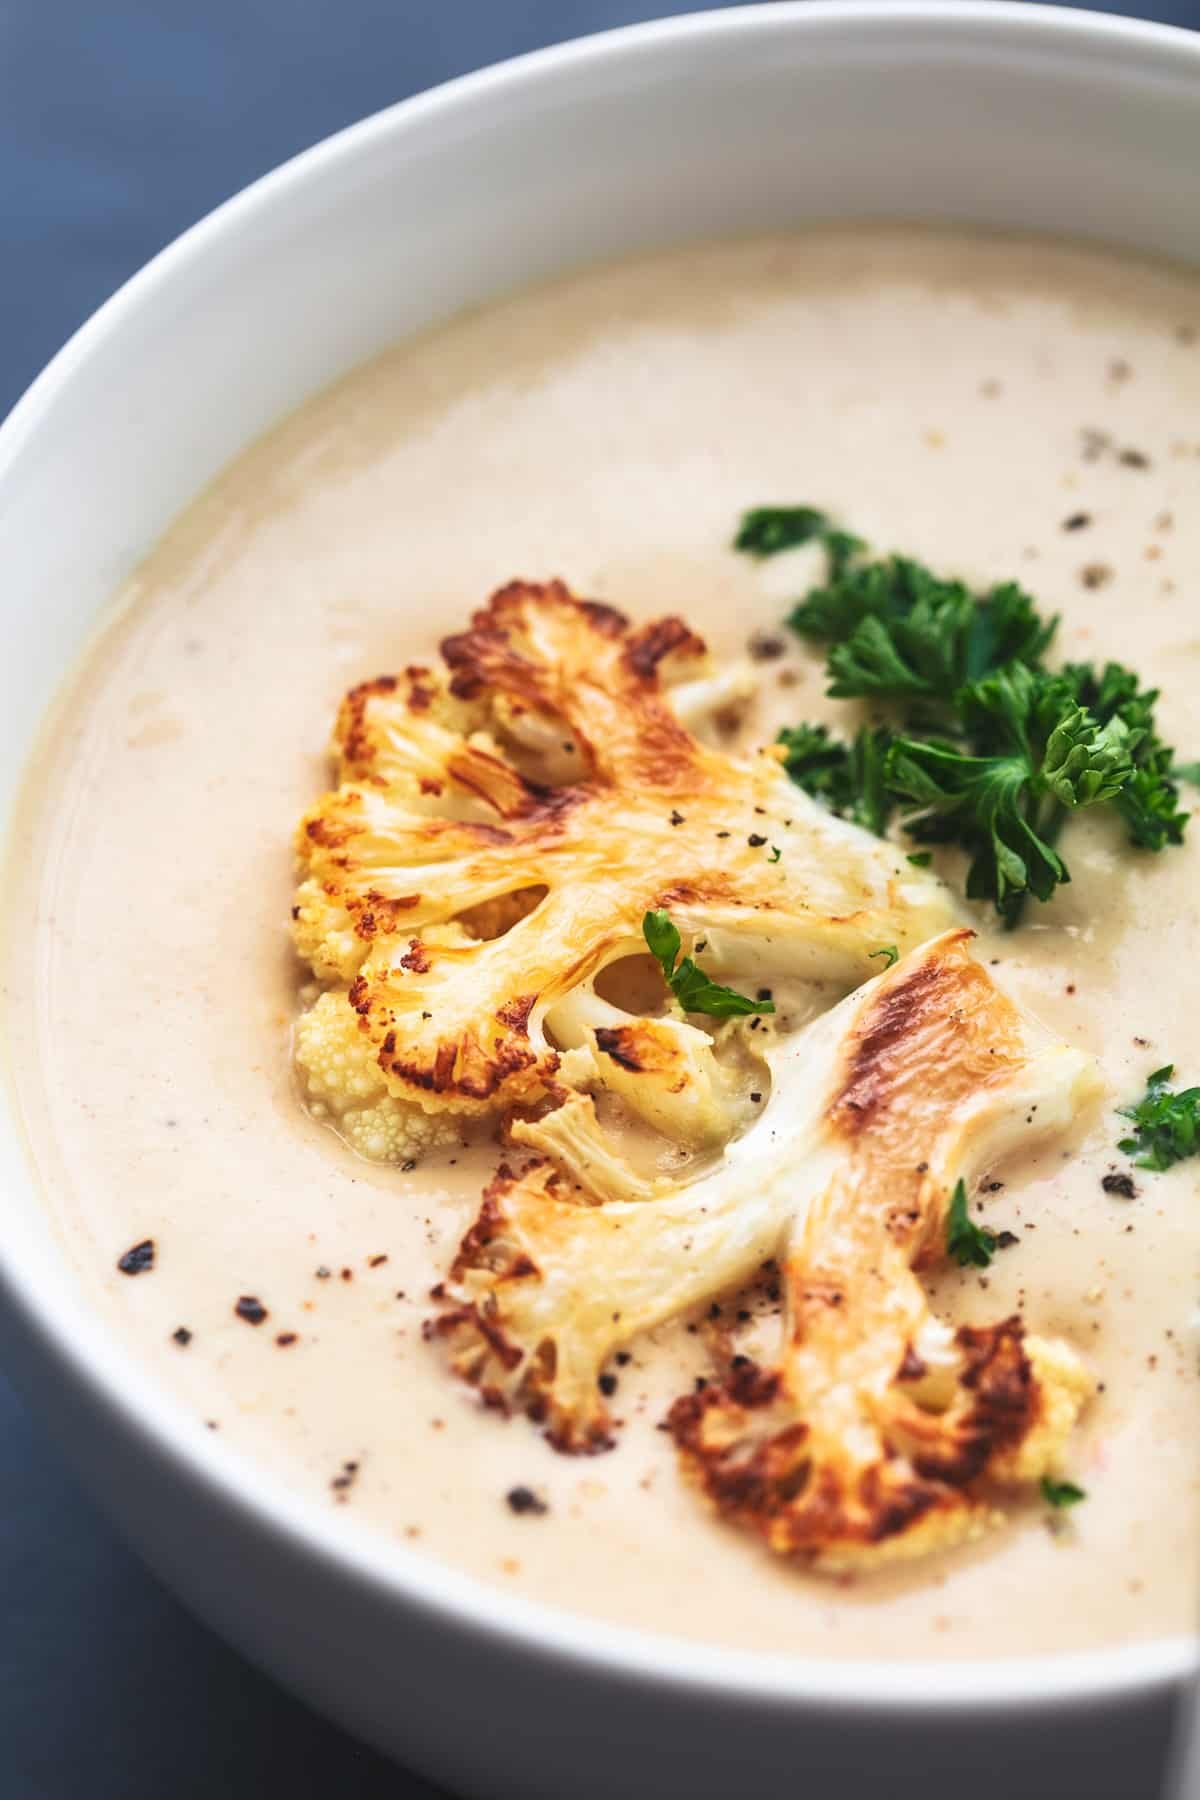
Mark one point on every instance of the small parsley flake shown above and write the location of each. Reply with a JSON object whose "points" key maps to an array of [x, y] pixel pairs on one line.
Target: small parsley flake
{"points": [[889, 951], [971, 1245], [1061, 1494]]}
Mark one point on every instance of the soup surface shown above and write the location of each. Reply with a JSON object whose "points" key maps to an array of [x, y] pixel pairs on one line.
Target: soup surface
{"points": [[998, 408]]}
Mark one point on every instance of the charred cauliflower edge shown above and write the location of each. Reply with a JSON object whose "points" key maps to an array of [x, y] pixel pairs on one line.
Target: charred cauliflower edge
{"points": [[498, 831]]}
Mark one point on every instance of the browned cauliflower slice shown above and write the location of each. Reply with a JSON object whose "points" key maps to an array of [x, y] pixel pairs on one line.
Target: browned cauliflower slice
{"points": [[880, 1431], [499, 830]]}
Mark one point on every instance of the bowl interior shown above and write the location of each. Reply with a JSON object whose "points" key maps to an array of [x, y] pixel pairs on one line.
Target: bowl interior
{"points": [[753, 119]]}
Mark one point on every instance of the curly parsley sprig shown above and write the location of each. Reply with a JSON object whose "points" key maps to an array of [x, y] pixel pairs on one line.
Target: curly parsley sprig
{"points": [[985, 747], [1166, 1123]]}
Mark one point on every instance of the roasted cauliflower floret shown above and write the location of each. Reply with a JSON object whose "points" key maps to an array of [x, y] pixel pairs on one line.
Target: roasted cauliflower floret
{"points": [[500, 828], [879, 1431], [342, 1085]]}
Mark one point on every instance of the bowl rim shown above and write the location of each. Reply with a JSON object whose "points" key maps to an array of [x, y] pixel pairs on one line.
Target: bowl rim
{"points": [[109, 1371]]}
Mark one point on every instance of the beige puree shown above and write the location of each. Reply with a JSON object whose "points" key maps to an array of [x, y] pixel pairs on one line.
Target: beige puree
{"points": [[952, 397]]}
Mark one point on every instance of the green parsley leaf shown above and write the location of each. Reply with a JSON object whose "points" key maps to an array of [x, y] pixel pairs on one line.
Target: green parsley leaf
{"points": [[847, 777], [775, 855], [899, 631], [1047, 755], [888, 950], [1061, 1493], [1166, 1123], [971, 1245], [768, 530], [920, 859], [1187, 772], [1149, 800], [692, 988]]}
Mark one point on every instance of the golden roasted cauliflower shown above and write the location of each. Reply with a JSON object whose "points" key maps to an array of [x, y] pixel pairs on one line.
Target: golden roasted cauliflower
{"points": [[879, 1431], [500, 827]]}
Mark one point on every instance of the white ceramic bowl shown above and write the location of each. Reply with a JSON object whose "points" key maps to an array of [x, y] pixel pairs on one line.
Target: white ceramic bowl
{"points": [[996, 115]]}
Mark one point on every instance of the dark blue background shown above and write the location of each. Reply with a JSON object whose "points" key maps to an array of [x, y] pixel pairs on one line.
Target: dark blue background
{"points": [[121, 122]]}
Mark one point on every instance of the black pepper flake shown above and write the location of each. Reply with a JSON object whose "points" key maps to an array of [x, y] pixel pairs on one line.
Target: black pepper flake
{"points": [[756, 1099], [756, 841], [286, 1339], [408, 1165], [1006, 1239], [1094, 575], [376, 1262], [181, 1336], [1119, 1182], [323, 1273], [764, 646], [763, 994], [138, 1258], [1134, 459], [525, 1503], [722, 834], [607, 1384], [922, 1168], [677, 818], [623, 1357], [250, 1308], [347, 1274], [344, 1481], [1077, 521]]}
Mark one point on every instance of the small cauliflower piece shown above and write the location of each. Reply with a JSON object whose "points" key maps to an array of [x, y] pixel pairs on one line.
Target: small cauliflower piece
{"points": [[342, 1086], [543, 789], [666, 1070], [879, 1432]]}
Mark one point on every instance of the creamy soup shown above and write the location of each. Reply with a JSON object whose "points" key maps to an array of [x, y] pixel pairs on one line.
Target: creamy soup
{"points": [[996, 407]]}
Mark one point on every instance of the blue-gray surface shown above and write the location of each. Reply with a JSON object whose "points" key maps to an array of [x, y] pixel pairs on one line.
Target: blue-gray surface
{"points": [[121, 122]]}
